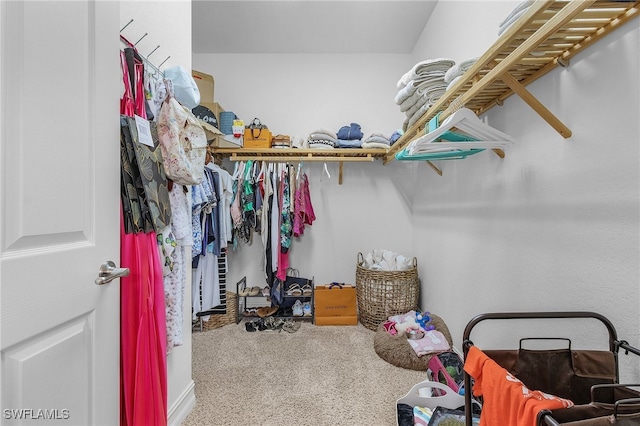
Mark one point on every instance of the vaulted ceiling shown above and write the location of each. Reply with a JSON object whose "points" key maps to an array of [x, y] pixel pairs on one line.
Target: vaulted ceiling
{"points": [[308, 26]]}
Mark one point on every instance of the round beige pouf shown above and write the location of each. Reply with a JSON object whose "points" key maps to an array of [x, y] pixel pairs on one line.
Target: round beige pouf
{"points": [[396, 349]]}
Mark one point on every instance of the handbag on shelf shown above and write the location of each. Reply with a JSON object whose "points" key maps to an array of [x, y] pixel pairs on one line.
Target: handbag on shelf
{"points": [[335, 304]]}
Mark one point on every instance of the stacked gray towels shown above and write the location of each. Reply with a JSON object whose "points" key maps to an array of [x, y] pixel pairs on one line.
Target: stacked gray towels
{"points": [[513, 16], [454, 73], [322, 139], [376, 140], [421, 87]]}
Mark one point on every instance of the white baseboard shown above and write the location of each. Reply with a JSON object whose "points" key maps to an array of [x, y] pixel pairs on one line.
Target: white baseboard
{"points": [[183, 406]]}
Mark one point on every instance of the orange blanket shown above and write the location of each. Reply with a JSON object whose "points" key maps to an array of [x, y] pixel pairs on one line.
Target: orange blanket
{"points": [[507, 401]]}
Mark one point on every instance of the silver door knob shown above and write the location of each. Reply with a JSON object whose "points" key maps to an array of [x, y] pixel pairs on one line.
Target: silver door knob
{"points": [[108, 272]]}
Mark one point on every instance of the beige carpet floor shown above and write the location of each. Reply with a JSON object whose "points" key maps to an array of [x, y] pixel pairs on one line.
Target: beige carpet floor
{"points": [[319, 375]]}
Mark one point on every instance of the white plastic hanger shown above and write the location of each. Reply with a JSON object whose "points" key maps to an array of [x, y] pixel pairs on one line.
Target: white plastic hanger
{"points": [[325, 171], [298, 171], [466, 123]]}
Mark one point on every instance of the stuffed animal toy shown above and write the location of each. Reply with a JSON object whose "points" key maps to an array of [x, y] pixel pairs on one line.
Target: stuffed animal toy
{"points": [[424, 321], [409, 323]]}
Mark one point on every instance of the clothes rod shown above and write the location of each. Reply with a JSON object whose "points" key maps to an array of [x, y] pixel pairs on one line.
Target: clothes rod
{"points": [[302, 159]]}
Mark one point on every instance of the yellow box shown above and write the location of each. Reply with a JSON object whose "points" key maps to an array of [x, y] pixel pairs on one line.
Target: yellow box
{"points": [[205, 85], [257, 138]]}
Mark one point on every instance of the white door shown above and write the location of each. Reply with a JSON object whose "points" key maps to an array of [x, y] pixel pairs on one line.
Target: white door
{"points": [[59, 206]]}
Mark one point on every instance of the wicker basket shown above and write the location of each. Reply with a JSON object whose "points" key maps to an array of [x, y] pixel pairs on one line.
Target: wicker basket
{"points": [[219, 320], [381, 294]]}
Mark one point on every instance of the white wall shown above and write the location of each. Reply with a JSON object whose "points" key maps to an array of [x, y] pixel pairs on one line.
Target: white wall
{"points": [[555, 224], [296, 94], [168, 24]]}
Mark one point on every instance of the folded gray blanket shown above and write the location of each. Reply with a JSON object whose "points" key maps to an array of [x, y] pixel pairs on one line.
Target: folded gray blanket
{"points": [[422, 68], [515, 14], [458, 69]]}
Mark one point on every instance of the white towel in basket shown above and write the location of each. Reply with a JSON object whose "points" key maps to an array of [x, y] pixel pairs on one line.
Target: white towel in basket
{"points": [[386, 260]]}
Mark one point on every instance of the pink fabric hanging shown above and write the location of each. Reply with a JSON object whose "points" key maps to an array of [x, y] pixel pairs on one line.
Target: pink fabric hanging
{"points": [[126, 102], [143, 335], [140, 98]]}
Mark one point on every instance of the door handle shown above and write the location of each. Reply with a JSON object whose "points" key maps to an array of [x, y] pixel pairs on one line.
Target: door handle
{"points": [[108, 272]]}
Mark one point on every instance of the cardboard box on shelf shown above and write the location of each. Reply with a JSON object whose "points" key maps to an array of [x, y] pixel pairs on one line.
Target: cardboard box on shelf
{"points": [[205, 85], [209, 117], [217, 111], [226, 141]]}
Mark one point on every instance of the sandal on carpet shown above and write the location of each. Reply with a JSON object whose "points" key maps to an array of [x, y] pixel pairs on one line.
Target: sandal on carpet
{"points": [[291, 326], [273, 323], [251, 326]]}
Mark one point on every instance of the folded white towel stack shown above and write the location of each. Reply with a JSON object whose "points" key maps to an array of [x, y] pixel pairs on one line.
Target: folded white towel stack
{"points": [[513, 16], [421, 87]]}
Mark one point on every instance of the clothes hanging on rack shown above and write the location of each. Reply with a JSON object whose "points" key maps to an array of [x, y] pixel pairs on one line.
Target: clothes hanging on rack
{"points": [[211, 228], [303, 210], [143, 330], [273, 200], [286, 225], [179, 238]]}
